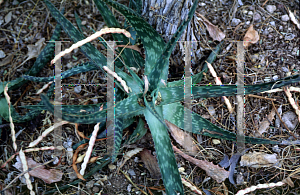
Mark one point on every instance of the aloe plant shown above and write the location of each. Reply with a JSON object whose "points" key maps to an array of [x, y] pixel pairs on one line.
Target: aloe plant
{"points": [[161, 102]]}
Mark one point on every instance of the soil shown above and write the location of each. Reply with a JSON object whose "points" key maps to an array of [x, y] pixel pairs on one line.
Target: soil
{"points": [[274, 56]]}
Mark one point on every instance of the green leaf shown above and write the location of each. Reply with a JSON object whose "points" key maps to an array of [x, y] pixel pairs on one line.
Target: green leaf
{"points": [[165, 154], [127, 54], [161, 67], [174, 113], [176, 94], [138, 133], [152, 41], [126, 108], [88, 49], [198, 77]]}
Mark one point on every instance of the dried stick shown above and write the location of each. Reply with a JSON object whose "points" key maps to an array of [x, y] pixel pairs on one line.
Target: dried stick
{"points": [[44, 87], [12, 126], [292, 101], [193, 188], [31, 150], [219, 82], [45, 133], [123, 83], [259, 186], [89, 39], [90, 148], [25, 168]]}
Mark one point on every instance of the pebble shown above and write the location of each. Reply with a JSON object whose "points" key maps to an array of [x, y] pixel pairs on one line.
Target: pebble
{"points": [[271, 8], [112, 167], [77, 89], [285, 18], [289, 36], [276, 148], [235, 22], [96, 189], [256, 17], [15, 2], [272, 23], [90, 184], [290, 119], [131, 172], [285, 69], [250, 13], [254, 57], [2, 54], [265, 32]]}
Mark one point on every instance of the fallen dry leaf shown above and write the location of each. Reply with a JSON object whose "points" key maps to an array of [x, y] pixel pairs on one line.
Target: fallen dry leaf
{"points": [[183, 138], [264, 125], [49, 176], [34, 50], [214, 171], [128, 155], [258, 159], [251, 36], [75, 158], [294, 19], [151, 163], [7, 18], [6, 60], [213, 31]]}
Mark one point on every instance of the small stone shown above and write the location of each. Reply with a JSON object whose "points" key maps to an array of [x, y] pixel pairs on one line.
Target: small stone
{"points": [[289, 36], [216, 141], [254, 58], [77, 89], [112, 167], [202, 4], [271, 8], [96, 189], [285, 69], [245, 11], [285, 18], [90, 184], [272, 23], [95, 100], [136, 159], [129, 188], [2, 54], [235, 22], [240, 179], [265, 32], [250, 13], [131, 172], [247, 23], [15, 2], [290, 119], [256, 17], [276, 148], [275, 77], [83, 22]]}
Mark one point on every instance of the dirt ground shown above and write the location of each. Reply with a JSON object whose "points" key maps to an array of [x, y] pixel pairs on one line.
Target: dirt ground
{"points": [[274, 56]]}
